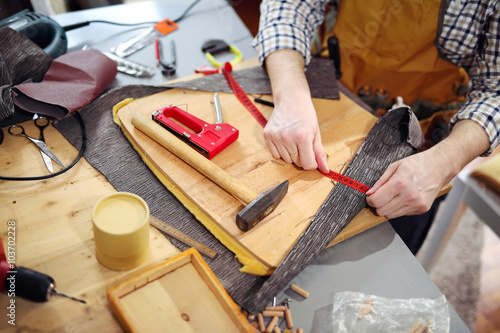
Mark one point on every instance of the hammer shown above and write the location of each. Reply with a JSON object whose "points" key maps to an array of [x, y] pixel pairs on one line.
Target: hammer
{"points": [[257, 206]]}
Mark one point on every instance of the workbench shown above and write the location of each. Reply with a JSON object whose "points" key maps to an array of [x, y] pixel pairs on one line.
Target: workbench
{"points": [[53, 217]]}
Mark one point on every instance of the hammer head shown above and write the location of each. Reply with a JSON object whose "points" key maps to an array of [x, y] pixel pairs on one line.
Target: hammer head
{"points": [[261, 207]]}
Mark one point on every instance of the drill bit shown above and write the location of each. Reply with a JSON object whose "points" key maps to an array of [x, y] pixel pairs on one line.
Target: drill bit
{"points": [[54, 291]]}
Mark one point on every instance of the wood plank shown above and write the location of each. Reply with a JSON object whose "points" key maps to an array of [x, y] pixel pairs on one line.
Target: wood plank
{"points": [[343, 124]]}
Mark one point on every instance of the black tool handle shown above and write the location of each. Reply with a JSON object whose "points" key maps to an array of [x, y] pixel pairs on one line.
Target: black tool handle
{"points": [[334, 54], [29, 284]]}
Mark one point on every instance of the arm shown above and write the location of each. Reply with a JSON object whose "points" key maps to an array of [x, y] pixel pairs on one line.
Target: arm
{"points": [[409, 186], [283, 47], [292, 132]]}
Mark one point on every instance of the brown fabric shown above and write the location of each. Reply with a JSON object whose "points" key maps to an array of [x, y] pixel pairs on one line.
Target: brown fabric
{"points": [[72, 81], [20, 60]]}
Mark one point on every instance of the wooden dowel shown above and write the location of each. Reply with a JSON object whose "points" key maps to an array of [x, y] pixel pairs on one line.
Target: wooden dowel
{"points": [[272, 313], [260, 321], [271, 325], [276, 308], [288, 318], [299, 290]]}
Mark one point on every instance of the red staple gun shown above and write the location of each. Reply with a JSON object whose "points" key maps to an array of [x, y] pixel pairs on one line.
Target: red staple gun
{"points": [[207, 139]]}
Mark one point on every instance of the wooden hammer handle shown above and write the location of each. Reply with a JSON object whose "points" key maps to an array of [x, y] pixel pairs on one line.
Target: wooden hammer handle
{"points": [[176, 146]]}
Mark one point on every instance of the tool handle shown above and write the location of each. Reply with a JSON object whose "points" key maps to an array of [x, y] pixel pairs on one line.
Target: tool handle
{"points": [[145, 124], [29, 284], [334, 54]]}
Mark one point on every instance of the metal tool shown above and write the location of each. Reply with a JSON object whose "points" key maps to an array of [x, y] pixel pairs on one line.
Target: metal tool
{"points": [[207, 139], [182, 237], [145, 38], [27, 283], [168, 64], [18, 130], [130, 67], [41, 123], [257, 207]]}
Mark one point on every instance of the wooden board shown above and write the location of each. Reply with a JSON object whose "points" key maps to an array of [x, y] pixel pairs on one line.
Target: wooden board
{"points": [[179, 295], [343, 124]]}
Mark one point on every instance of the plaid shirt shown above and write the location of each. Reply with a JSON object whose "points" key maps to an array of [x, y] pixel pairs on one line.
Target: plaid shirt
{"points": [[470, 38]]}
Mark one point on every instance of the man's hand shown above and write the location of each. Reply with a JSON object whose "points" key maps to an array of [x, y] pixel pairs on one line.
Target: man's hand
{"points": [[407, 187], [410, 186], [292, 131]]}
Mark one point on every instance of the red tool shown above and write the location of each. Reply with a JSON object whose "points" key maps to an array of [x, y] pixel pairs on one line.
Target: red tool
{"points": [[241, 95], [207, 139]]}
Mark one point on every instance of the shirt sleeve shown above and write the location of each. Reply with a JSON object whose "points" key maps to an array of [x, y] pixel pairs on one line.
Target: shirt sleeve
{"points": [[471, 39], [288, 24]]}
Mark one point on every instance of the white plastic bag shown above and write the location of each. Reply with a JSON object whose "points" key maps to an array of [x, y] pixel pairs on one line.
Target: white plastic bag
{"points": [[357, 312]]}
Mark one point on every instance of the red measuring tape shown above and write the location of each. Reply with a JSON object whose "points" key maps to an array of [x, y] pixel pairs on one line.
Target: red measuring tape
{"points": [[241, 95], [347, 181], [247, 103]]}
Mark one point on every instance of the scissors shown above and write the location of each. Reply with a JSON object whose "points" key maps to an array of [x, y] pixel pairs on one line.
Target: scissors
{"points": [[47, 154]]}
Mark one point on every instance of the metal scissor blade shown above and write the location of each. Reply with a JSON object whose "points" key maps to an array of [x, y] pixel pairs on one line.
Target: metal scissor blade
{"points": [[47, 161], [43, 147]]}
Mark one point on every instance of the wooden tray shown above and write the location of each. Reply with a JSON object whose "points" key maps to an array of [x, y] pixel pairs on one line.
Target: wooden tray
{"points": [[180, 295], [343, 124]]}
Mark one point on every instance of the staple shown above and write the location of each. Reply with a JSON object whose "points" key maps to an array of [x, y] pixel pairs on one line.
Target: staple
{"points": [[278, 163], [299, 290]]}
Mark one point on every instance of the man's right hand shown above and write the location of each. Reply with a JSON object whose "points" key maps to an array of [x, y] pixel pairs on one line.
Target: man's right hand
{"points": [[292, 131]]}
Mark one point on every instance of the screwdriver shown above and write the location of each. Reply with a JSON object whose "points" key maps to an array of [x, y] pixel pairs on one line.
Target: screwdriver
{"points": [[27, 283]]}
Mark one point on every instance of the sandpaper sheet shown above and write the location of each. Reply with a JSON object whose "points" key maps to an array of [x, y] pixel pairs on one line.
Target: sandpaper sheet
{"points": [[72, 81]]}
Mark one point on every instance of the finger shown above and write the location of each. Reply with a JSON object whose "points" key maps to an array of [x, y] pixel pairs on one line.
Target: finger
{"points": [[284, 153], [272, 148], [306, 157], [320, 156], [388, 210]]}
